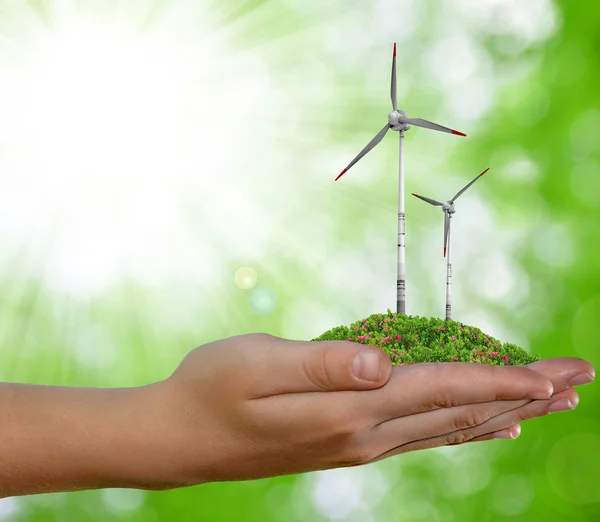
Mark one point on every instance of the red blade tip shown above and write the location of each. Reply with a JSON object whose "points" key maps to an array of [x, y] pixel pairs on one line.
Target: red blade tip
{"points": [[341, 174], [484, 171], [416, 195], [444, 251], [458, 133], [394, 48]]}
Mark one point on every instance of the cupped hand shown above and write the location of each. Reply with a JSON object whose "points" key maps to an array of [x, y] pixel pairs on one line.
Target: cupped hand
{"points": [[256, 406]]}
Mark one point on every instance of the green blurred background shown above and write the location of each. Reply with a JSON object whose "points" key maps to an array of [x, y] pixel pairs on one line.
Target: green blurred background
{"points": [[167, 178]]}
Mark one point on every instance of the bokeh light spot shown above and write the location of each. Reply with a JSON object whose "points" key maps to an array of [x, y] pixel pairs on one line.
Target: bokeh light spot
{"points": [[245, 277], [9, 507], [571, 465], [515, 165], [308, 319], [584, 329], [337, 493], [513, 493], [584, 133], [501, 277], [585, 183], [262, 300], [553, 245], [121, 500], [459, 69], [94, 348], [469, 477]]}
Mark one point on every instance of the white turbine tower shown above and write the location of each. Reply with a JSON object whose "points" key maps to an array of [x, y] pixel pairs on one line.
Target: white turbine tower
{"points": [[448, 209], [398, 121]]}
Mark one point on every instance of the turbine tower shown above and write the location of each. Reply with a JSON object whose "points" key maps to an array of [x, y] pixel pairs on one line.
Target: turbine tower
{"points": [[398, 121], [448, 209]]}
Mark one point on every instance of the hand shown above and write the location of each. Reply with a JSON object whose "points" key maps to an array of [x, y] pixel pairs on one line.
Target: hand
{"points": [[256, 406]]}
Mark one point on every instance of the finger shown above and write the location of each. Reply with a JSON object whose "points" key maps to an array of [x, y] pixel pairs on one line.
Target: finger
{"points": [[562, 401], [537, 408], [439, 422], [303, 366], [428, 386], [565, 372], [511, 432]]}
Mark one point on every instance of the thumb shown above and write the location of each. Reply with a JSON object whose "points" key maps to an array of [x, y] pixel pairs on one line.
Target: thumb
{"points": [[306, 366], [341, 365]]}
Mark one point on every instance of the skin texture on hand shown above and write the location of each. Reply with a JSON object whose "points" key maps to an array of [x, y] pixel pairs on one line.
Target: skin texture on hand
{"points": [[256, 406]]}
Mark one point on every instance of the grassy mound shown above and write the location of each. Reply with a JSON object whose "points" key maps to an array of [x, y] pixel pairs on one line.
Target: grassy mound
{"points": [[412, 339]]}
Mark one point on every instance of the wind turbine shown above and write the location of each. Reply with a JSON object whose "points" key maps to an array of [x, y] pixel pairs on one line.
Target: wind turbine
{"points": [[448, 208], [398, 121]]}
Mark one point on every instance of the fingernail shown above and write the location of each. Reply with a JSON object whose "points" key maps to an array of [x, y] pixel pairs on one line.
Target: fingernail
{"points": [[541, 394], [367, 366], [561, 405], [582, 378], [508, 434]]}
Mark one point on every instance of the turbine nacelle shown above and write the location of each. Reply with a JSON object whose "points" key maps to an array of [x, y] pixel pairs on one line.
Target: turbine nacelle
{"points": [[448, 206], [396, 121]]}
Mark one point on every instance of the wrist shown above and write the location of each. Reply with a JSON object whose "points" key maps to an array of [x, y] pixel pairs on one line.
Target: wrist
{"points": [[144, 445]]}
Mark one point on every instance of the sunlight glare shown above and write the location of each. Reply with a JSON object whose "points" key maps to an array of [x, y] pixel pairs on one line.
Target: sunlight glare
{"points": [[105, 130]]}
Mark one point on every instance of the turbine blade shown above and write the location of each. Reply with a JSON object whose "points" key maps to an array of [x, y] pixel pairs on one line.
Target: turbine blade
{"points": [[393, 87], [446, 227], [418, 122], [467, 186], [369, 146], [429, 200]]}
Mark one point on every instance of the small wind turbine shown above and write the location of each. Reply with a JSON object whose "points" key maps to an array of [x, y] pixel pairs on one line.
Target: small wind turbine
{"points": [[398, 121], [448, 208]]}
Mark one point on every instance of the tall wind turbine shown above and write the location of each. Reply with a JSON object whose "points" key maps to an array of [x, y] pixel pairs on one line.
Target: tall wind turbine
{"points": [[398, 121], [448, 208]]}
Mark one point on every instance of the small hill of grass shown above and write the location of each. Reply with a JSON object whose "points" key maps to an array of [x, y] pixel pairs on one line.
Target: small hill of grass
{"points": [[411, 339]]}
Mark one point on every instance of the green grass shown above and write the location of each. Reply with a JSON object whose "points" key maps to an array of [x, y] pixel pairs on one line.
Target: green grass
{"points": [[411, 339]]}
